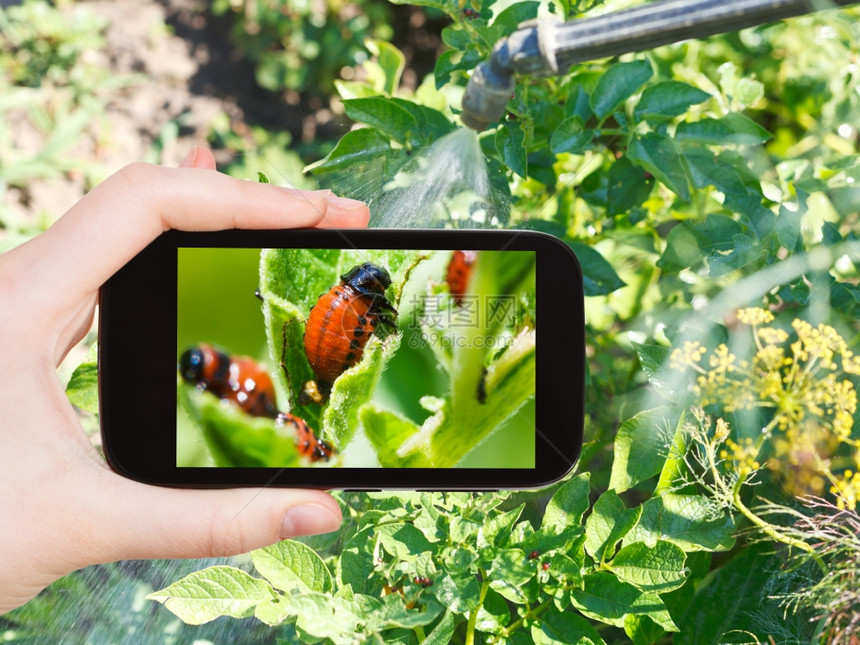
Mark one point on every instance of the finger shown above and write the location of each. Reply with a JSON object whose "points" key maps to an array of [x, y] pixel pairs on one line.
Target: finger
{"points": [[132, 207], [199, 157], [342, 212], [139, 521]]}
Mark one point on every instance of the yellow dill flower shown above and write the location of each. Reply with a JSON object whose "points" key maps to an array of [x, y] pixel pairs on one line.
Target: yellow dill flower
{"points": [[722, 431], [846, 488], [742, 456], [772, 335], [687, 356], [722, 359], [754, 316], [818, 343], [850, 363], [809, 405], [771, 358]]}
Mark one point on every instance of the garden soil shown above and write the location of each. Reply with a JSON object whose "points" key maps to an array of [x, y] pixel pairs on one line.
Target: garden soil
{"points": [[186, 73]]}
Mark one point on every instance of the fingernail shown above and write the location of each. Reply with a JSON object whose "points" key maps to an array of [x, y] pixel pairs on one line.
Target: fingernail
{"points": [[308, 519], [344, 203], [190, 159], [312, 196]]}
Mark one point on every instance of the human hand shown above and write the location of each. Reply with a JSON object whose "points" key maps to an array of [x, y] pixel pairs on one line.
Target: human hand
{"points": [[61, 507]]}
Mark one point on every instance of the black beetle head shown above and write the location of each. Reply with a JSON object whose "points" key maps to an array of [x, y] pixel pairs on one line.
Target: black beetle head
{"points": [[367, 278]]}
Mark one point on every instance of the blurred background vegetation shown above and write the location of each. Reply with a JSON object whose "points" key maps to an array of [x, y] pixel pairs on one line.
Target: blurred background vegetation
{"points": [[87, 87]]}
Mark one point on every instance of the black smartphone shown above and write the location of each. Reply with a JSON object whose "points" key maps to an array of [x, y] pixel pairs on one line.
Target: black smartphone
{"points": [[354, 359]]}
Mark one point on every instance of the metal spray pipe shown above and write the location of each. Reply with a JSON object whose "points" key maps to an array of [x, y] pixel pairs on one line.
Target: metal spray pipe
{"points": [[547, 47]]}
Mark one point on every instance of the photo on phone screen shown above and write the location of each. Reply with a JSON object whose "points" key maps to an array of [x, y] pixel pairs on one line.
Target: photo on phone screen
{"points": [[355, 358]]}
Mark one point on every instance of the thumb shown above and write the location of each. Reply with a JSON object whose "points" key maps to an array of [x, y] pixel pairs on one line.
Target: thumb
{"points": [[141, 521], [199, 157]]}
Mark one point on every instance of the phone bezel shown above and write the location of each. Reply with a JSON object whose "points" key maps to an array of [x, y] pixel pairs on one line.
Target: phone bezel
{"points": [[137, 363]]}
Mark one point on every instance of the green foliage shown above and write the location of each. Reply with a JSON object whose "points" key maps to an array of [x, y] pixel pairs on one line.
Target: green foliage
{"points": [[303, 46], [455, 567]]}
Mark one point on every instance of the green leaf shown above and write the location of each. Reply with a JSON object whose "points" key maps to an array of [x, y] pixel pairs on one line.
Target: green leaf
{"points": [[510, 144], [641, 446], [353, 388], [355, 565], [598, 276], [564, 628], [216, 591], [788, 230], [668, 99], [453, 60], [570, 136], [690, 243], [394, 613], [383, 114], [357, 147], [235, 439], [674, 475], [83, 387], [493, 614], [404, 541], [567, 505], [459, 592], [608, 523], [443, 632], [608, 600], [323, 616], [263, 178], [617, 84], [509, 574], [659, 155], [515, 14], [652, 359], [659, 568], [732, 129], [390, 60], [688, 521], [498, 527], [291, 565], [628, 186], [731, 600], [387, 432], [431, 124]]}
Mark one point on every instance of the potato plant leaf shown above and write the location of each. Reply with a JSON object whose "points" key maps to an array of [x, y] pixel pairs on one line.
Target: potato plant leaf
{"points": [[608, 523], [564, 628], [617, 84], [659, 568], [82, 389], [607, 599], [213, 592], [235, 439], [642, 446], [734, 128], [668, 99], [686, 520], [289, 565], [659, 155]]}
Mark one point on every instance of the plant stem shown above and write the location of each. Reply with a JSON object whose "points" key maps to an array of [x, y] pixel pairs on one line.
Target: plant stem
{"points": [[473, 615], [771, 531]]}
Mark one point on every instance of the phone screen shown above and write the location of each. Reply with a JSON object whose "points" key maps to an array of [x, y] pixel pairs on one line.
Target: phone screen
{"points": [[355, 358]]}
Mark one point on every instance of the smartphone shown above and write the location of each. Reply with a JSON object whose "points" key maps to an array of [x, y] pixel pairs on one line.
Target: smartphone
{"points": [[354, 359]]}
